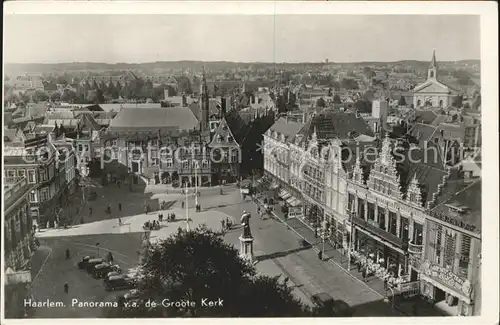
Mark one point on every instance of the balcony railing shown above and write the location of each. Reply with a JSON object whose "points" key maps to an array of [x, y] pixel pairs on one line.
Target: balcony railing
{"points": [[414, 248]]}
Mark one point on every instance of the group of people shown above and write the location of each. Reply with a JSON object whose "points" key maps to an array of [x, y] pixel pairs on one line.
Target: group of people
{"points": [[170, 217], [152, 225], [226, 223]]}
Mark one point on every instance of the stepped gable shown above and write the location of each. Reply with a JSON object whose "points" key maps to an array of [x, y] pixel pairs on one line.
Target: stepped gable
{"points": [[425, 165]]}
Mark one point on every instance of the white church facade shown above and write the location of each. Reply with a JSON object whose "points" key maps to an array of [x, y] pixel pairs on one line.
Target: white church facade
{"points": [[433, 93]]}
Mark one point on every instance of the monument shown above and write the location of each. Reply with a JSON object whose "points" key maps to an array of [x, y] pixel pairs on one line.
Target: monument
{"points": [[246, 239]]}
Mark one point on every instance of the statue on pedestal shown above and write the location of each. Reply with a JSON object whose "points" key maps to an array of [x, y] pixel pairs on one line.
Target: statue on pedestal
{"points": [[245, 221]]}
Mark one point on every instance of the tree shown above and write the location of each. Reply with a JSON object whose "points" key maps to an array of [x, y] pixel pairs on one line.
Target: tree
{"points": [[349, 83], [68, 96], [198, 265], [363, 106], [369, 73], [321, 103], [184, 85], [462, 76], [336, 99], [457, 101], [402, 101], [477, 101], [40, 96], [55, 96]]}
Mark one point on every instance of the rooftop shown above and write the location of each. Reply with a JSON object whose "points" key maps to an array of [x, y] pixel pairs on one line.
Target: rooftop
{"points": [[465, 197], [287, 128], [154, 119]]}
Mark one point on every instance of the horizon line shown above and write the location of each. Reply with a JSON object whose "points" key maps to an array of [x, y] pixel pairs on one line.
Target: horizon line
{"points": [[238, 62]]}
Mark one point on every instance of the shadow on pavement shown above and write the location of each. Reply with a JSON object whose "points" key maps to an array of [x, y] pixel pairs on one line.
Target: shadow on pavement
{"points": [[280, 254]]}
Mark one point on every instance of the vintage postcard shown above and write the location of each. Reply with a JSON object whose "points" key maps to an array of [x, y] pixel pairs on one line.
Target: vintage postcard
{"points": [[250, 160]]}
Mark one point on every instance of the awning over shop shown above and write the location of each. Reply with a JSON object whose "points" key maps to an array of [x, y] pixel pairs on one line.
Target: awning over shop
{"points": [[296, 202], [286, 196]]}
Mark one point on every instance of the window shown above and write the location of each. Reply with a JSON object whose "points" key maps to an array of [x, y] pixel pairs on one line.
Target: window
{"points": [[114, 142], [11, 173], [31, 176], [219, 138], [169, 163], [439, 234], [464, 255], [44, 195], [21, 173], [204, 164], [43, 175], [194, 164], [449, 248], [154, 142], [154, 161], [229, 138], [185, 164], [33, 197]]}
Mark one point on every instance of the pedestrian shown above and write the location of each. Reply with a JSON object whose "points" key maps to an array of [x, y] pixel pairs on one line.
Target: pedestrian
{"points": [[315, 232], [118, 182], [119, 221], [120, 207], [223, 223], [285, 281], [67, 254], [90, 211], [182, 204], [358, 265], [66, 288], [320, 255], [364, 274]]}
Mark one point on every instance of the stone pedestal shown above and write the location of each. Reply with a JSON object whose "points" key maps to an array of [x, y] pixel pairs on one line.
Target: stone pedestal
{"points": [[246, 248]]}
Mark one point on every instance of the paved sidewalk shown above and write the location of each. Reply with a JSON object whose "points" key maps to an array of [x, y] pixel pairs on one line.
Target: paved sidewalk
{"points": [[336, 257]]}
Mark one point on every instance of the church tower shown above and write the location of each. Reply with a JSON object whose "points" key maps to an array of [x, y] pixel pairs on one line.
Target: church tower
{"points": [[432, 72], [204, 103]]}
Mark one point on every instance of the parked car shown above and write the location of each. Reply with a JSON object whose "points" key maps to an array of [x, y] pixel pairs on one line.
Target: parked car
{"points": [[119, 282], [82, 264], [89, 266], [328, 307], [101, 270]]}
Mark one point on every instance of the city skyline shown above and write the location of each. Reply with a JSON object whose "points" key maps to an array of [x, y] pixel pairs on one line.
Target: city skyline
{"points": [[257, 38]]}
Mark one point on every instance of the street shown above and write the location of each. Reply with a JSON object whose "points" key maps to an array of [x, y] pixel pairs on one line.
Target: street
{"points": [[277, 250]]}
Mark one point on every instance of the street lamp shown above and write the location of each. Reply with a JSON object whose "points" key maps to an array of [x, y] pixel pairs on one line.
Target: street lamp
{"points": [[187, 208]]}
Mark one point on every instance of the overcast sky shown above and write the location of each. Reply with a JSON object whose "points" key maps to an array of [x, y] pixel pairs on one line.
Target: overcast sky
{"points": [[289, 38]]}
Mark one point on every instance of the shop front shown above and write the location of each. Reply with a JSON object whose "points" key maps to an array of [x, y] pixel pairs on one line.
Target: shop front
{"points": [[443, 286]]}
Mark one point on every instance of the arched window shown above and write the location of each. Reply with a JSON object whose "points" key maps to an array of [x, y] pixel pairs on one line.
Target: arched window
{"points": [[431, 74], [440, 103], [419, 102]]}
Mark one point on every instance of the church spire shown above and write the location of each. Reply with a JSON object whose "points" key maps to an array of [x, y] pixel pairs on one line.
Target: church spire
{"points": [[432, 72], [433, 61], [204, 101]]}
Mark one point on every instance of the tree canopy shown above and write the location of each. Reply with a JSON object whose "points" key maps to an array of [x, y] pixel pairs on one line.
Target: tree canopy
{"points": [[321, 102], [198, 265], [349, 83]]}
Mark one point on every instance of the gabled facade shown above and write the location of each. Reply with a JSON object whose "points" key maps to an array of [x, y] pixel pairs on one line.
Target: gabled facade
{"points": [[225, 153], [433, 93]]}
